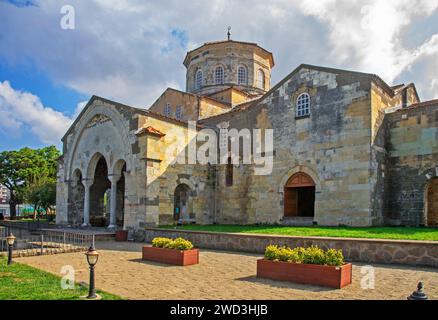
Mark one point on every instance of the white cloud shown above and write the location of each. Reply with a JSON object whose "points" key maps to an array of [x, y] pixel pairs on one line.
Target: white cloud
{"points": [[79, 107], [368, 34], [23, 110], [125, 50]]}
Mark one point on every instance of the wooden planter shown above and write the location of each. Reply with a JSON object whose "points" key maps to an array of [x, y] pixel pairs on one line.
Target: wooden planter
{"points": [[121, 235], [171, 256], [325, 276]]}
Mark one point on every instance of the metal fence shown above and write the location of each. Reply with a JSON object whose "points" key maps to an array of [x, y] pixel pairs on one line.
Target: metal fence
{"points": [[3, 235], [48, 243]]}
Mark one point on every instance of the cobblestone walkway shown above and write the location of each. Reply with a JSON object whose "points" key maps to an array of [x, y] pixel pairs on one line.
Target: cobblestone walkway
{"points": [[221, 275]]}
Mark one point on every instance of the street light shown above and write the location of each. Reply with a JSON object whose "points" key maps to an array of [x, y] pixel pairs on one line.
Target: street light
{"points": [[92, 257], [10, 240]]}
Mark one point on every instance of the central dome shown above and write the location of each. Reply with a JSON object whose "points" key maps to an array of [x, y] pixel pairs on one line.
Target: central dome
{"points": [[217, 66]]}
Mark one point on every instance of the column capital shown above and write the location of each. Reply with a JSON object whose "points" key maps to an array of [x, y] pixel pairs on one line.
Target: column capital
{"points": [[87, 182], [114, 178]]}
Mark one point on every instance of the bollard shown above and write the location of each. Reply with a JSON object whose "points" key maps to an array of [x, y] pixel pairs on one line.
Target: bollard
{"points": [[419, 294]]}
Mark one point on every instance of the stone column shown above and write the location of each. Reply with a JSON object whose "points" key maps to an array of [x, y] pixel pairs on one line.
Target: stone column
{"points": [[87, 185], [113, 201]]}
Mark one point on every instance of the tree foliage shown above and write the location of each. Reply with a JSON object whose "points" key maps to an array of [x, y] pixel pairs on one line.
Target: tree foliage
{"points": [[30, 175]]}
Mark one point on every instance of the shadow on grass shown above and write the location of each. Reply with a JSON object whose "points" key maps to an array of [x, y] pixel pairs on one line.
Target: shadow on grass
{"points": [[285, 284]]}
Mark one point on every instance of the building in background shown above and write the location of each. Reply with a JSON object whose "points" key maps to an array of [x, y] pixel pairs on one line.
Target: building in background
{"points": [[4, 201]]}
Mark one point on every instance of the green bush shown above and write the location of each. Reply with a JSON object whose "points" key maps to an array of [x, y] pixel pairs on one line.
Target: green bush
{"points": [[181, 244], [312, 255], [161, 242], [177, 244]]}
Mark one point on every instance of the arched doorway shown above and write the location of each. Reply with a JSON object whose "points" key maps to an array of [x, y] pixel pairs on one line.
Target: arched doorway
{"points": [[100, 195], [182, 204], [299, 196], [432, 203]]}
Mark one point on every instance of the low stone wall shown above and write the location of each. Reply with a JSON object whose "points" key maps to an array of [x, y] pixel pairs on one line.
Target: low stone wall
{"points": [[414, 253]]}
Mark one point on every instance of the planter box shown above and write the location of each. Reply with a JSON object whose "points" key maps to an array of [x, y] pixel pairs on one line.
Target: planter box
{"points": [[170, 256], [325, 276], [121, 235]]}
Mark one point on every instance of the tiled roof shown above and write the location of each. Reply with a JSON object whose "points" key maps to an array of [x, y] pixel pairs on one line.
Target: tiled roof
{"points": [[150, 131]]}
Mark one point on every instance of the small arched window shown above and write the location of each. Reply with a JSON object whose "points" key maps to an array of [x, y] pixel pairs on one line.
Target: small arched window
{"points": [[229, 174], [242, 78], [303, 105], [167, 110], [261, 79], [198, 79], [179, 112], [219, 75]]}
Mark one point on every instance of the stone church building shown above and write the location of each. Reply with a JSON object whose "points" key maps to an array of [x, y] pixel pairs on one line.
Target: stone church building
{"points": [[349, 149]]}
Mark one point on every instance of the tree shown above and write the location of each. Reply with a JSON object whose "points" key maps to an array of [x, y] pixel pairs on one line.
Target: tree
{"points": [[20, 169], [48, 196]]}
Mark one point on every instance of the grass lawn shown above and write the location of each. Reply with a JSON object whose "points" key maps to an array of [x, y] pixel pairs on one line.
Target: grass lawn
{"points": [[21, 282], [399, 233]]}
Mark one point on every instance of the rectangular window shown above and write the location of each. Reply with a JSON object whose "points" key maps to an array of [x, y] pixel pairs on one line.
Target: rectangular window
{"points": [[179, 112], [168, 110], [229, 173]]}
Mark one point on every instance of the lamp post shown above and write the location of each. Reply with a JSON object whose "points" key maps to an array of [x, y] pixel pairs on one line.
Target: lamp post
{"points": [[10, 240], [92, 257]]}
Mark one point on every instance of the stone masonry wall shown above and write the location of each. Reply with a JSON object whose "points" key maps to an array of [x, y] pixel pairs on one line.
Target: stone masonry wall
{"points": [[412, 163], [332, 146]]}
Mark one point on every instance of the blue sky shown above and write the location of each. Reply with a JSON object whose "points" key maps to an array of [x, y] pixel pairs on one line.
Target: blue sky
{"points": [[132, 50]]}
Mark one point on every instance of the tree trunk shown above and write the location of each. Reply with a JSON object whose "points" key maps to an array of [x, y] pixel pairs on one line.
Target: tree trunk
{"points": [[13, 209], [13, 202]]}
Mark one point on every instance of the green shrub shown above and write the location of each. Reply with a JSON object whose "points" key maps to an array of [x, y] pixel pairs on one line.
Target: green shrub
{"points": [[181, 244], [334, 257], [161, 242], [177, 244], [312, 255]]}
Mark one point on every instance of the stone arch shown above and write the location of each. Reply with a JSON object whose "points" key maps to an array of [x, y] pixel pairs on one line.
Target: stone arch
{"points": [[96, 109], [299, 169], [299, 196], [431, 202], [179, 181], [77, 176], [100, 186], [92, 164], [427, 179], [117, 168], [183, 204]]}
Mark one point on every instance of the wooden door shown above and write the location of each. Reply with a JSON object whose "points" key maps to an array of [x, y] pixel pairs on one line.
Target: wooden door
{"points": [[432, 203], [290, 202]]}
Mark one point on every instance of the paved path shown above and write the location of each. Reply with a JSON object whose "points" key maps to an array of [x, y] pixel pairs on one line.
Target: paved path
{"points": [[221, 275]]}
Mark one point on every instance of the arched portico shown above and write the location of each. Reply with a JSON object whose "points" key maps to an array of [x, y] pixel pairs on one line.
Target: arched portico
{"points": [[104, 193]]}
